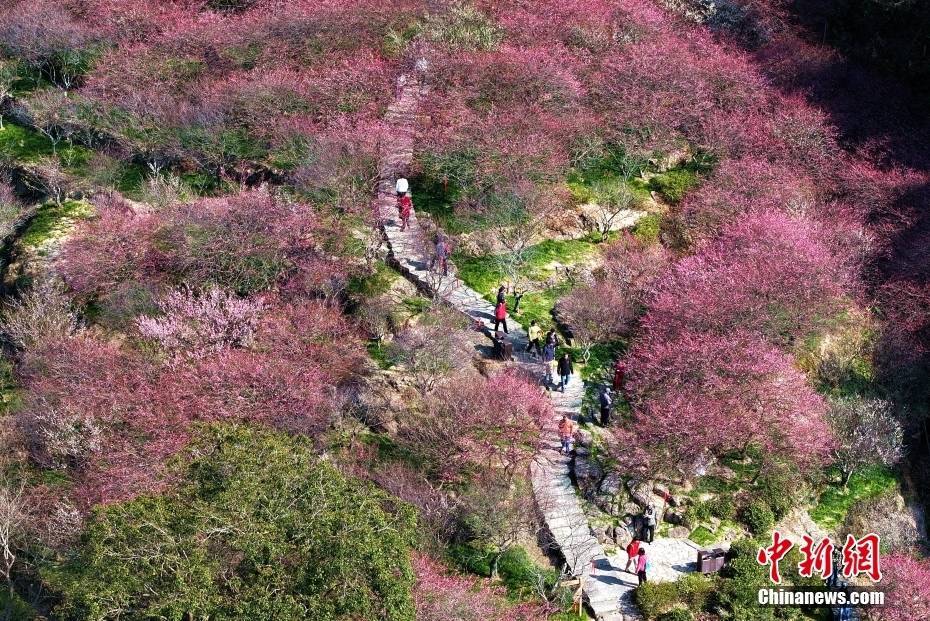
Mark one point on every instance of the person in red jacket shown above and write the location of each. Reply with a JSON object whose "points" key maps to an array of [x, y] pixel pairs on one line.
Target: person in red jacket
{"points": [[619, 373], [500, 315], [632, 550], [405, 207]]}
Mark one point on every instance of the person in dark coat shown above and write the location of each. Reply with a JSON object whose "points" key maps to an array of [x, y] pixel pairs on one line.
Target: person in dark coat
{"points": [[606, 403], [500, 295], [565, 369], [441, 255], [650, 521], [552, 338], [549, 361]]}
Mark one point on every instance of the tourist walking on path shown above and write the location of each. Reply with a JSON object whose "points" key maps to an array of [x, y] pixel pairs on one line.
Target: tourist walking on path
{"points": [[552, 337], [565, 369], [401, 187], [642, 565], [632, 550], [441, 255], [500, 315], [500, 295], [606, 403], [549, 360], [567, 429], [534, 334], [405, 207], [650, 524]]}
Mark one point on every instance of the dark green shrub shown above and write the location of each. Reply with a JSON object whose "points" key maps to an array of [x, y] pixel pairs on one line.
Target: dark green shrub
{"points": [[678, 614], [694, 590], [723, 508], [758, 517], [743, 577], [700, 512], [778, 489], [648, 228], [258, 528], [654, 598], [520, 574], [674, 184], [471, 559], [231, 6]]}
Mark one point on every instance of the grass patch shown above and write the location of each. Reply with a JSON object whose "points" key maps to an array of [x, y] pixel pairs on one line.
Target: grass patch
{"points": [[380, 354], [416, 305], [486, 273], [674, 184], [582, 186], [702, 536], [374, 284], [28, 146], [439, 199], [390, 451], [648, 228], [835, 502], [515, 569], [53, 221]]}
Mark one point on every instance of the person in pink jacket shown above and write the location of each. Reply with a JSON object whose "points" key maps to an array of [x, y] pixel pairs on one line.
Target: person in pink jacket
{"points": [[642, 564]]}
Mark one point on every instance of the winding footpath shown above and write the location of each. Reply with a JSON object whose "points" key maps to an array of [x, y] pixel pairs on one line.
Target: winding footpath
{"points": [[607, 588]]}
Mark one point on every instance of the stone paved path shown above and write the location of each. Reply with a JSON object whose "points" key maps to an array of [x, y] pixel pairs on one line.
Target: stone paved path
{"points": [[606, 586]]}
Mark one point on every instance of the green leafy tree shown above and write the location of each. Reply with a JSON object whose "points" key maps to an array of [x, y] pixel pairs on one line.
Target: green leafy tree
{"points": [[258, 528]]}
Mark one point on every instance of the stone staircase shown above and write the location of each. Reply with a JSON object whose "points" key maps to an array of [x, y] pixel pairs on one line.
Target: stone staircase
{"points": [[607, 588]]}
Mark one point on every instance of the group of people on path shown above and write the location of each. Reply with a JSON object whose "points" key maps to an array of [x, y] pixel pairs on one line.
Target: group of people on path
{"points": [[544, 347], [636, 557], [442, 248], [636, 554]]}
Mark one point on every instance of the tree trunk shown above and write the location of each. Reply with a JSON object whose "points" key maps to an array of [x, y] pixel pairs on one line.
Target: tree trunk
{"points": [[847, 474], [494, 563]]}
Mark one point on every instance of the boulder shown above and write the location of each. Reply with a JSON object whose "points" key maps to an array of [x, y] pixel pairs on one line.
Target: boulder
{"points": [[622, 536], [588, 474], [679, 532], [605, 503], [584, 438], [612, 484]]}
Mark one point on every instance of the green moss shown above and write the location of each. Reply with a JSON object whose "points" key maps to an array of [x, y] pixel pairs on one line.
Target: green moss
{"points": [[674, 184], [834, 502], [26, 146], [648, 228], [53, 221], [521, 575], [380, 354], [416, 305], [22, 144], [464, 28], [370, 285], [702, 536]]}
